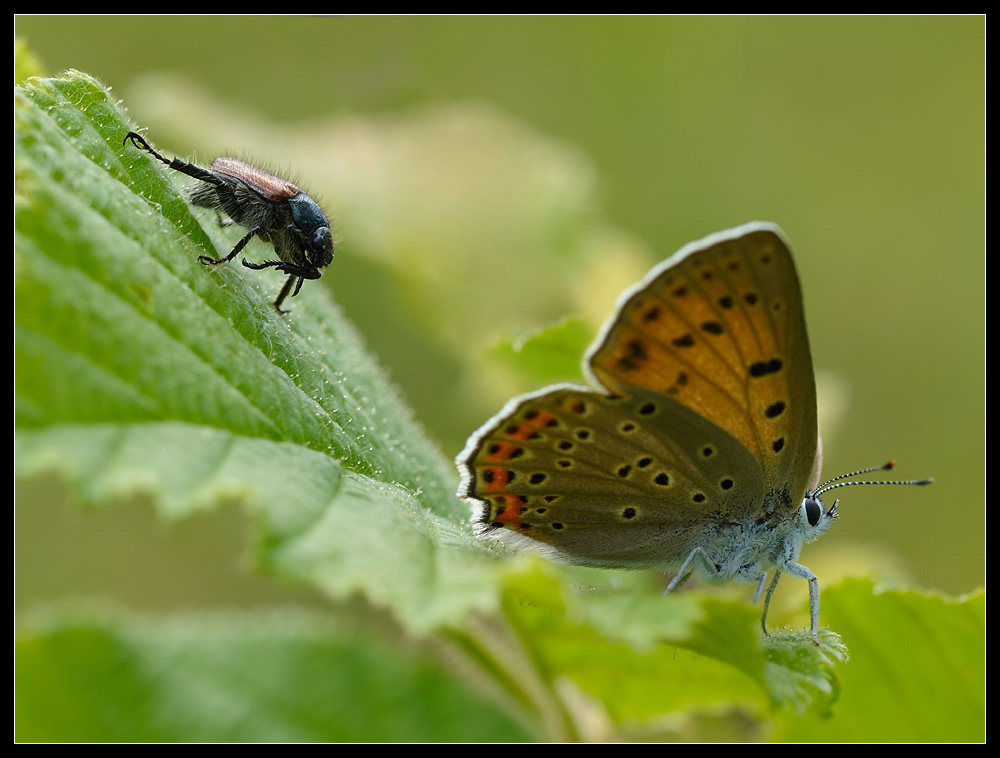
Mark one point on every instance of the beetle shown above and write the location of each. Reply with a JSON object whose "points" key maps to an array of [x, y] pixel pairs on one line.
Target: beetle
{"points": [[272, 208]]}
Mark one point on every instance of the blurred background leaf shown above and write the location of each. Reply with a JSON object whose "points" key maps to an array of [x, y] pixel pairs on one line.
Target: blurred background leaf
{"points": [[94, 675]]}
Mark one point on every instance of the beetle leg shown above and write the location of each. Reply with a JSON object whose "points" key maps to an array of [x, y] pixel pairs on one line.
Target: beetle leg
{"points": [[235, 251], [177, 165], [284, 292], [306, 272]]}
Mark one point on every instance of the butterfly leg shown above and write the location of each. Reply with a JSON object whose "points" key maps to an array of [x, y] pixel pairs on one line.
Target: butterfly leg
{"points": [[750, 574], [760, 586], [767, 597], [683, 572], [796, 569]]}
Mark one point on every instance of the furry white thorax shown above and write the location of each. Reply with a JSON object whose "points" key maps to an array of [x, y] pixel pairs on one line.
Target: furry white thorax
{"points": [[748, 551]]}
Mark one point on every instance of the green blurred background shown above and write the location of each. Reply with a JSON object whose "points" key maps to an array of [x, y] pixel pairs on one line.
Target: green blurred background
{"points": [[491, 175]]}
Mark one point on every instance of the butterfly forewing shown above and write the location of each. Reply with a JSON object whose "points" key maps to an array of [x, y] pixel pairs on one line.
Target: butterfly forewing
{"points": [[720, 328]]}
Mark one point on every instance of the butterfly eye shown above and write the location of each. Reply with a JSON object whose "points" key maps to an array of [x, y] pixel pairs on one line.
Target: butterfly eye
{"points": [[812, 510]]}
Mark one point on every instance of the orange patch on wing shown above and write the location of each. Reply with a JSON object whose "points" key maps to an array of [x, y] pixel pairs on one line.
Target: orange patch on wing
{"points": [[504, 452], [519, 432], [498, 479], [542, 418], [510, 512]]}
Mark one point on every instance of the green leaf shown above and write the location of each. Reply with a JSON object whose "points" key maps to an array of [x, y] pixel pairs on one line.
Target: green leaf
{"points": [[141, 371], [108, 282], [275, 676], [917, 671], [549, 355], [609, 657]]}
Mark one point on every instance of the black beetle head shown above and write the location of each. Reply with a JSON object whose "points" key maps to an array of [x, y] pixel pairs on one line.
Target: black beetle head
{"points": [[315, 228], [320, 247]]}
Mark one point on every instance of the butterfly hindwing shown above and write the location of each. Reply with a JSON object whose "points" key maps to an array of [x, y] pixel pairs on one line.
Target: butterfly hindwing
{"points": [[607, 480]]}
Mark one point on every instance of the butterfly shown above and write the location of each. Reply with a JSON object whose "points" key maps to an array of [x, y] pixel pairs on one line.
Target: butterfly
{"points": [[696, 450]]}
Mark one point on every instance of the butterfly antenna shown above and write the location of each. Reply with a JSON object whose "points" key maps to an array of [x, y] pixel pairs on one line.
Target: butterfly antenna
{"points": [[836, 482]]}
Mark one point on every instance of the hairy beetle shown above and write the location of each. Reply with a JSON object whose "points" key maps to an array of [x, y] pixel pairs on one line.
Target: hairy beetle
{"points": [[272, 208]]}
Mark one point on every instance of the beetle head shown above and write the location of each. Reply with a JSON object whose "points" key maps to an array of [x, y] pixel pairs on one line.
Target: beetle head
{"points": [[315, 228]]}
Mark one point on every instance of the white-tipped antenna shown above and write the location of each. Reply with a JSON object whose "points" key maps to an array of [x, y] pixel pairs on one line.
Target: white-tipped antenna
{"points": [[836, 482]]}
